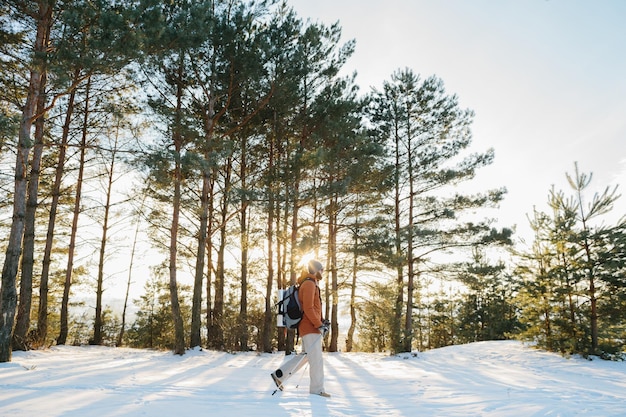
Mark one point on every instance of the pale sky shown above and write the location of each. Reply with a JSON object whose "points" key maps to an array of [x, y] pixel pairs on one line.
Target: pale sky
{"points": [[545, 78]]}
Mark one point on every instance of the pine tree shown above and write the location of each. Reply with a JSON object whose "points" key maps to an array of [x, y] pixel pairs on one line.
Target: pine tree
{"points": [[168, 62], [589, 241], [348, 171], [427, 133], [486, 313], [569, 281]]}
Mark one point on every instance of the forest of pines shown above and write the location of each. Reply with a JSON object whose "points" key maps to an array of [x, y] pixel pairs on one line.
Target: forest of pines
{"points": [[221, 143]]}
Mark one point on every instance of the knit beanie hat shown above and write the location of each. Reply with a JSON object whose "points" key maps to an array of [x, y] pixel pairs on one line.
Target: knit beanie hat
{"points": [[315, 266], [311, 268]]}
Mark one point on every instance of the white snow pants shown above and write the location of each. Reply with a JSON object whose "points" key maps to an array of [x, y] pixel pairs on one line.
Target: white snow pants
{"points": [[312, 346]]}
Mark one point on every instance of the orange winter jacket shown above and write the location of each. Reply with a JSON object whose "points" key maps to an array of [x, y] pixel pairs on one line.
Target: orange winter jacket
{"points": [[311, 303]]}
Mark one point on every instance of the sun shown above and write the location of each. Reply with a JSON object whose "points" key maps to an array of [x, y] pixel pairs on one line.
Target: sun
{"points": [[306, 258]]}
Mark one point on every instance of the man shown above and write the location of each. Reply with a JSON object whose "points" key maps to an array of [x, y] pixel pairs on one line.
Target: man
{"points": [[312, 329]]}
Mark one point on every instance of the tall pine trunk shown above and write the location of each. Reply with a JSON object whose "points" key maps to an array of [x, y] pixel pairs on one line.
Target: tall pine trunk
{"points": [[42, 314], [293, 239], [352, 328], [203, 232], [179, 335], [243, 305], [396, 331], [354, 272], [8, 292], [244, 242], [63, 333], [271, 207], [196, 303], [22, 324], [218, 307], [293, 243], [268, 314], [408, 324], [210, 309], [332, 260], [196, 307], [120, 336], [282, 223], [98, 322], [179, 338]]}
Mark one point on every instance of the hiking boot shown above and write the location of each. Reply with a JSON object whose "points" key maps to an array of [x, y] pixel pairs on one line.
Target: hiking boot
{"points": [[278, 382], [322, 394]]}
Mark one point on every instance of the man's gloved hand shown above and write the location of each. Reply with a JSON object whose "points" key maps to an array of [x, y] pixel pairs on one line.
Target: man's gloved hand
{"points": [[324, 328]]}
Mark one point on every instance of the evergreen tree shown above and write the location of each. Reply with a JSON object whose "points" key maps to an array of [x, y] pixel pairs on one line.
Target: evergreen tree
{"points": [[441, 322], [486, 312], [305, 60], [168, 61], [348, 172], [572, 273], [153, 327], [427, 133], [79, 36], [376, 324]]}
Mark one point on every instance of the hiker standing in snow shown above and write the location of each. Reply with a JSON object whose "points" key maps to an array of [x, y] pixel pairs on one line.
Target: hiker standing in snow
{"points": [[312, 329]]}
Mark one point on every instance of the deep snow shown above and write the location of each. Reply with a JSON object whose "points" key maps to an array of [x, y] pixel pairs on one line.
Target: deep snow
{"points": [[478, 379]]}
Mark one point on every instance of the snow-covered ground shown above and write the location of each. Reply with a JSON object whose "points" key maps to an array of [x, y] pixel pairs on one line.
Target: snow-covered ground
{"points": [[479, 379]]}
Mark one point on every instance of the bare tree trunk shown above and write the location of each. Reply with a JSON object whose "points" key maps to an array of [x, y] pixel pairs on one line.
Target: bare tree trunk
{"points": [[22, 324], [42, 315], [97, 326], [281, 258], [268, 315], [218, 306], [290, 342], [120, 336], [209, 259], [196, 307], [408, 324], [332, 254], [352, 328], [396, 332], [243, 306], [269, 310], [62, 339], [8, 291], [179, 335], [218, 312]]}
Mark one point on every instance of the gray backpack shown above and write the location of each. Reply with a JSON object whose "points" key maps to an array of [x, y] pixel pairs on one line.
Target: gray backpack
{"points": [[289, 307]]}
